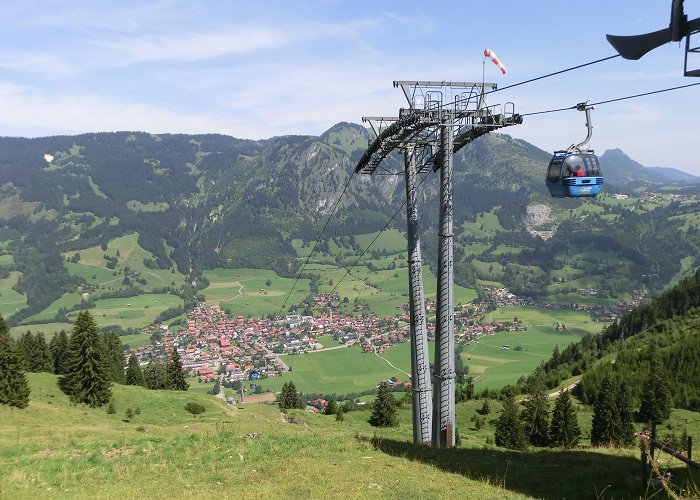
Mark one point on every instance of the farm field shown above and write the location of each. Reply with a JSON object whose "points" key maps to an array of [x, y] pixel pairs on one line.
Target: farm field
{"points": [[340, 371], [11, 301], [93, 267], [129, 312], [349, 370], [246, 292], [493, 367]]}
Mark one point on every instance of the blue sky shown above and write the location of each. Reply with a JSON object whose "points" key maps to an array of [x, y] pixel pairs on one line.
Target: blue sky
{"points": [[258, 69]]}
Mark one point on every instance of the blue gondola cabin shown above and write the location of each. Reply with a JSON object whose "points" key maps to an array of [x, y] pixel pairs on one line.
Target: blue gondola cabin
{"points": [[574, 174]]}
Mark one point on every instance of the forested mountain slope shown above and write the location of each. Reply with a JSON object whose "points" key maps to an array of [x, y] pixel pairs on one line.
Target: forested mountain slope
{"points": [[665, 330], [204, 201]]}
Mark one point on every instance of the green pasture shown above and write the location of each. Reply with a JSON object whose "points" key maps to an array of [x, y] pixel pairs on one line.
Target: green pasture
{"points": [[60, 450], [11, 301], [67, 300], [338, 371], [136, 340], [536, 316], [687, 269], [506, 250], [327, 341], [245, 291], [493, 367], [137, 206], [395, 282], [6, 259], [391, 241], [94, 275], [48, 329], [131, 312], [131, 255], [486, 225]]}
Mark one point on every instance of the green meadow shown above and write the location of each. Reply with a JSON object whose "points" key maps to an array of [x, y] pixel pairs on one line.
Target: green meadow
{"points": [[339, 371], [246, 292], [129, 312], [11, 301], [55, 449], [349, 370], [93, 267]]}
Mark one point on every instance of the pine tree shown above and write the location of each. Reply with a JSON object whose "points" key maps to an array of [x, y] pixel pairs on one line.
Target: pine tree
{"points": [[655, 406], [332, 407], [606, 417], [85, 379], [14, 390], [289, 397], [175, 375], [40, 355], [58, 347], [536, 416], [384, 409], [114, 357], [154, 375], [509, 429], [564, 431], [134, 375], [25, 346], [624, 431]]}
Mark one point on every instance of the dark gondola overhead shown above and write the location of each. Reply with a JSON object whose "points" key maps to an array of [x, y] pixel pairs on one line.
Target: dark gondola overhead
{"points": [[575, 172]]}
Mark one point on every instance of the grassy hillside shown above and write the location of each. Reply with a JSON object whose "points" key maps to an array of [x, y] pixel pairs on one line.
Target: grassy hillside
{"points": [[58, 450]]}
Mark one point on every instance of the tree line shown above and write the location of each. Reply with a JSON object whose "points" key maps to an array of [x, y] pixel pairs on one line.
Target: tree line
{"points": [[87, 362]]}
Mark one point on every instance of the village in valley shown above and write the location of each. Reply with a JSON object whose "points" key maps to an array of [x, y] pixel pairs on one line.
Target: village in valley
{"points": [[214, 345]]}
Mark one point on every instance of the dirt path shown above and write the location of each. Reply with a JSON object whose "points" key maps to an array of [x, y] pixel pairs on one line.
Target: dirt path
{"points": [[392, 365], [267, 397], [555, 394]]}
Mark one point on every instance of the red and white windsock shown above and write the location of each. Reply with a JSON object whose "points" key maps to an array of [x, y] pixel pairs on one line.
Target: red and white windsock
{"points": [[490, 53]]}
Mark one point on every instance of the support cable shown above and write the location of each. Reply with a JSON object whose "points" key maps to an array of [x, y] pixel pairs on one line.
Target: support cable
{"points": [[318, 240], [614, 100], [553, 74], [449, 104], [347, 272]]}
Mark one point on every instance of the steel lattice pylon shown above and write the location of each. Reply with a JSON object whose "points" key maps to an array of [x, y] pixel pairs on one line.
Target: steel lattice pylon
{"points": [[441, 118]]}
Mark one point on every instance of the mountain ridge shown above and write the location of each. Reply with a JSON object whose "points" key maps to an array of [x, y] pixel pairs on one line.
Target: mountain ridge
{"points": [[205, 201]]}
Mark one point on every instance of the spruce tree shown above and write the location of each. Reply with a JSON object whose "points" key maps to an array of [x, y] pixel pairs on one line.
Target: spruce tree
{"points": [[624, 431], [25, 346], [536, 416], [332, 407], [655, 406], [134, 375], [14, 390], [58, 347], [154, 375], [509, 428], [114, 357], [606, 417], [289, 397], [40, 356], [384, 409], [85, 379], [175, 375], [564, 431]]}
